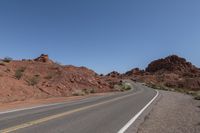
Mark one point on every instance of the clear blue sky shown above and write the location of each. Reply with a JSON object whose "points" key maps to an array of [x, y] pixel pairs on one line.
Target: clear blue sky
{"points": [[103, 35]]}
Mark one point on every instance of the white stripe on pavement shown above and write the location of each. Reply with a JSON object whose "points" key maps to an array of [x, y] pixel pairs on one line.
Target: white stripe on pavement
{"points": [[130, 122]]}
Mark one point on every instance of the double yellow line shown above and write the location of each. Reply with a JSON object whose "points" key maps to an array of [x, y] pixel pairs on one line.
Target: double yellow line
{"points": [[31, 123]]}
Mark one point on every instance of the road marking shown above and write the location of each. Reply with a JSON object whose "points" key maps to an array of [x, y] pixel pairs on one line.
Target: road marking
{"points": [[48, 105], [31, 123], [130, 122]]}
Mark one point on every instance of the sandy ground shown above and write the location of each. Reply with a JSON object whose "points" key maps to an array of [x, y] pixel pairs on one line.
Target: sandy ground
{"points": [[39, 102], [173, 113]]}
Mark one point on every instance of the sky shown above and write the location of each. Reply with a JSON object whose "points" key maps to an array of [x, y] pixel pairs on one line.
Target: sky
{"points": [[104, 35]]}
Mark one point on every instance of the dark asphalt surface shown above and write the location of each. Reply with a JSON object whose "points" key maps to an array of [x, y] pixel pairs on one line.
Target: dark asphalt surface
{"points": [[105, 118]]}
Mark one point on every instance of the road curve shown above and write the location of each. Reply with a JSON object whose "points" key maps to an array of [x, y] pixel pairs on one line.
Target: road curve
{"points": [[100, 114]]}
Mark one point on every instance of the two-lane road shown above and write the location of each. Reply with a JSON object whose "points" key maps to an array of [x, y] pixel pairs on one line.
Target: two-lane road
{"points": [[100, 114]]}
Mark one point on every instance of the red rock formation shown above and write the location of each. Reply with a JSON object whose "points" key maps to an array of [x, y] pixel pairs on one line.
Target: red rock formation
{"points": [[172, 71], [43, 58], [42, 78], [172, 64]]}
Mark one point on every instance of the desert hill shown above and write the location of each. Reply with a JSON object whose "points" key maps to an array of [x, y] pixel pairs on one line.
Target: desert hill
{"points": [[172, 71], [42, 78]]}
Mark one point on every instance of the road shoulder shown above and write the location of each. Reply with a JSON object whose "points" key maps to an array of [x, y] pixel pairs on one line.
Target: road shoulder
{"points": [[173, 113]]}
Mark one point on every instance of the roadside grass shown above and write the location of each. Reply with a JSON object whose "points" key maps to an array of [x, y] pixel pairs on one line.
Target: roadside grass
{"points": [[195, 94]]}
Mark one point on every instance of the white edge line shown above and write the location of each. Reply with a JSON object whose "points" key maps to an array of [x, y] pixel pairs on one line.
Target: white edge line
{"points": [[130, 122]]}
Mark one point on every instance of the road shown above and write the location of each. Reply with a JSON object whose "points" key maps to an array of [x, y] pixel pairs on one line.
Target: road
{"points": [[99, 114]]}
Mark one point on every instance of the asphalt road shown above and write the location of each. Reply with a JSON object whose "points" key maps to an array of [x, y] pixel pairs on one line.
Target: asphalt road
{"points": [[100, 114]]}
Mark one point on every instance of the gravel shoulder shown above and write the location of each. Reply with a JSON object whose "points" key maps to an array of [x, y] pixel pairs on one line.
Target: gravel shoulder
{"points": [[173, 113]]}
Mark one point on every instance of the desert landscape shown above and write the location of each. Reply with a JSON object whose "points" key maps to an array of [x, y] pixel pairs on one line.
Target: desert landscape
{"points": [[42, 78]]}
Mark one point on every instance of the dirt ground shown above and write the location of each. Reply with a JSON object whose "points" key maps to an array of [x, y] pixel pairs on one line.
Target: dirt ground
{"points": [[173, 113]]}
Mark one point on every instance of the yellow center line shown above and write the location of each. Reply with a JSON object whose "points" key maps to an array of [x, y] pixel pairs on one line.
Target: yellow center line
{"points": [[34, 122]]}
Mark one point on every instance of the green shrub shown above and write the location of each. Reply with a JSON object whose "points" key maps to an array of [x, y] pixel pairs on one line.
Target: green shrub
{"points": [[7, 59], [19, 72]]}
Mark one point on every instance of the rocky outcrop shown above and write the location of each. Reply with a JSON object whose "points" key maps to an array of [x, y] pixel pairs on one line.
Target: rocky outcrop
{"points": [[135, 71], [113, 74], [172, 71], [43, 58], [171, 63], [42, 78]]}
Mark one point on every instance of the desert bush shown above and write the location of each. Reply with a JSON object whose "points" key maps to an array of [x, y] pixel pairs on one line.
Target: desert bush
{"points": [[92, 90], [33, 81], [86, 91], [197, 95], [89, 90], [2, 64], [78, 93], [126, 86], [7, 59], [50, 76], [122, 86], [19, 72]]}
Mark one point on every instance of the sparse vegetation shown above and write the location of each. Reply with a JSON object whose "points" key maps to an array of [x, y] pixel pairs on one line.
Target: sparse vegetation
{"points": [[19, 72], [2, 64], [92, 90], [34, 80], [126, 86], [50, 76], [78, 93], [7, 59], [123, 86], [197, 95]]}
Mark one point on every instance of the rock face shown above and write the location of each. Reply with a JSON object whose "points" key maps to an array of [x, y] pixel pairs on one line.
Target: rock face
{"points": [[43, 58], [135, 71], [42, 78], [171, 64], [113, 74], [172, 71]]}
